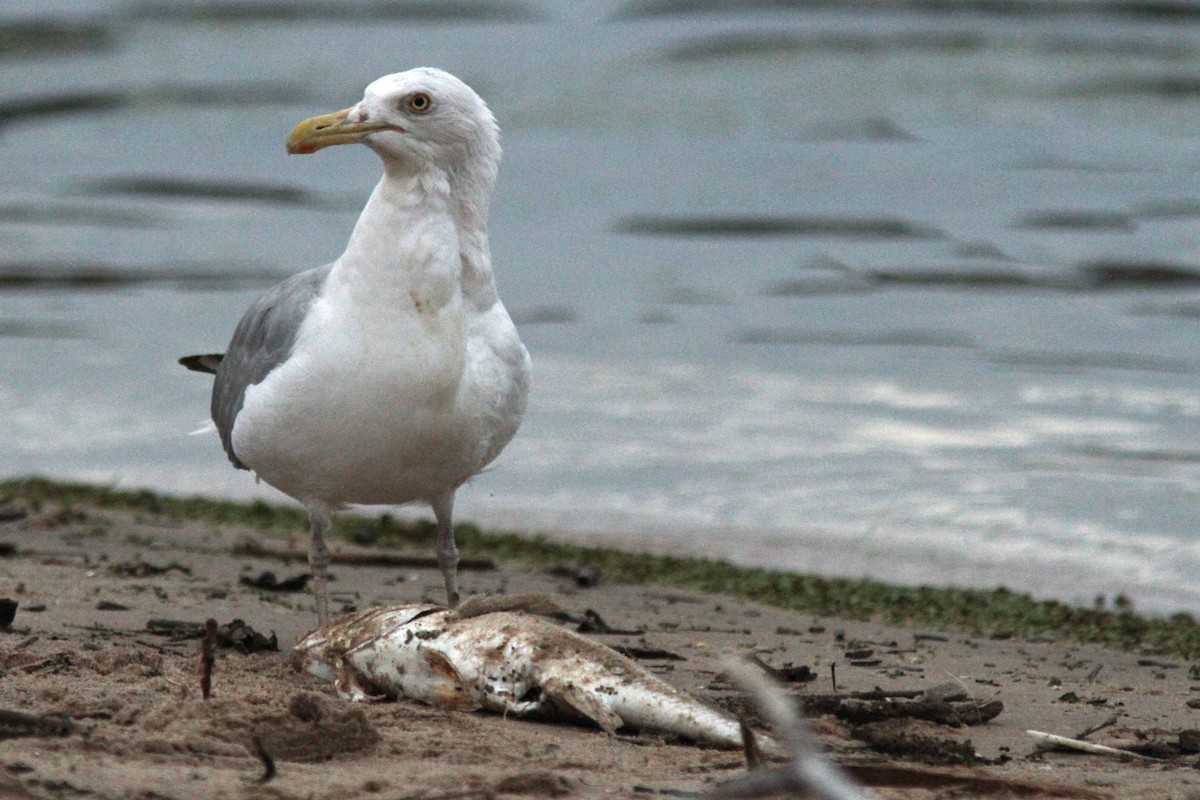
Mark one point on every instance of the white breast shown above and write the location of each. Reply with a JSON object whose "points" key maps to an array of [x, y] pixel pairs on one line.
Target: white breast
{"points": [[382, 403]]}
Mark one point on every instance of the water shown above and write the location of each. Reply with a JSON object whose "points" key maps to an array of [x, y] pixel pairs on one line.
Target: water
{"points": [[863, 290]]}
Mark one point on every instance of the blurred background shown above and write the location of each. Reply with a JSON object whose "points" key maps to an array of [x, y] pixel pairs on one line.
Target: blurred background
{"points": [[908, 290]]}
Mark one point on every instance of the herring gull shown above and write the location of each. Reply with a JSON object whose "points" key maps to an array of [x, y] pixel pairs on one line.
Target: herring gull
{"points": [[393, 374]]}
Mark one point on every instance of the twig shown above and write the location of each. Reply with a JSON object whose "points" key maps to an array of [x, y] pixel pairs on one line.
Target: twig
{"points": [[1086, 732], [788, 674], [1087, 747], [207, 659], [265, 757], [754, 755]]}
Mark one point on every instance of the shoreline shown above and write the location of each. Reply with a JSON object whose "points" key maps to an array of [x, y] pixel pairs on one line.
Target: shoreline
{"points": [[991, 613]]}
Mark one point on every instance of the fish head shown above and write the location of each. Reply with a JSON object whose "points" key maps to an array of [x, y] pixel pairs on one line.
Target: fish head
{"points": [[323, 652]]}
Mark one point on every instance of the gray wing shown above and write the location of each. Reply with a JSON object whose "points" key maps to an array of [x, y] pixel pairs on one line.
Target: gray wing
{"points": [[262, 341]]}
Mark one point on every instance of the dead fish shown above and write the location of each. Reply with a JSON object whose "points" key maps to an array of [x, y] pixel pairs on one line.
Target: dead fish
{"points": [[487, 654]]}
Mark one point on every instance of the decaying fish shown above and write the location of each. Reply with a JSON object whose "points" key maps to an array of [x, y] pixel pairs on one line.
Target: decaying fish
{"points": [[488, 654]]}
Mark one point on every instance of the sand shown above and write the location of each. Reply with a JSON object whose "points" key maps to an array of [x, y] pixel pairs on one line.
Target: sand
{"points": [[122, 712]]}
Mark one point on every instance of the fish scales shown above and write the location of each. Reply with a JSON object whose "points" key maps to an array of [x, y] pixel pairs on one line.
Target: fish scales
{"points": [[503, 661]]}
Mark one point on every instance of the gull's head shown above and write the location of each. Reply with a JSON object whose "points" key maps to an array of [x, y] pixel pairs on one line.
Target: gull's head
{"points": [[414, 120]]}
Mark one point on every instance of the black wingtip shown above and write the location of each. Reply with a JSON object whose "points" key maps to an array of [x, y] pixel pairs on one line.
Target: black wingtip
{"points": [[203, 363]]}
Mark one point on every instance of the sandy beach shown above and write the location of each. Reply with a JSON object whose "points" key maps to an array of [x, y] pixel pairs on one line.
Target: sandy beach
{"points": [[101, 652]]}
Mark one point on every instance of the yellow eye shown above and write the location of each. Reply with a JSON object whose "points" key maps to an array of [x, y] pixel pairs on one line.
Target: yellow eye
{"points": [[419, 102]]}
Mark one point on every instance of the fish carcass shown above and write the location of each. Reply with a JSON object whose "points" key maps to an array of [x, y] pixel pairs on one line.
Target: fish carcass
{"points": [[488, 654]]}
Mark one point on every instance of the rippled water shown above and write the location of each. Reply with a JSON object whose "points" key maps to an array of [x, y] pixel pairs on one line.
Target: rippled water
{"points": [[863, 288]]}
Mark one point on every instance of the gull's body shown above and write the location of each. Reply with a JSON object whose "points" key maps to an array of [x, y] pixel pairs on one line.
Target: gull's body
{"points": [[393, 374]]}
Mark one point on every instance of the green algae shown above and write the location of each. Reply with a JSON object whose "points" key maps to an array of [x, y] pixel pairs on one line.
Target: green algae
{"points": [[993, 613]]}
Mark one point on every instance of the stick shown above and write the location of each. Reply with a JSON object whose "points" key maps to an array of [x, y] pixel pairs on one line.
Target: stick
{"points": [[1086, 732], [265, 757], [754, 755], [1087, 747], [207, 659]]}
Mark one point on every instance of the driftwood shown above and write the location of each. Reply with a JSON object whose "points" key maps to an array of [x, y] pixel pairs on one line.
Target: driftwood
{"points": [[946, 704], [1087, 747], [810, 773], [15, 724]]}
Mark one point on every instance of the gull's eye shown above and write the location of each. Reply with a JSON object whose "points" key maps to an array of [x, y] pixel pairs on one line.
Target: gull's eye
{"points": [[418, 102]]}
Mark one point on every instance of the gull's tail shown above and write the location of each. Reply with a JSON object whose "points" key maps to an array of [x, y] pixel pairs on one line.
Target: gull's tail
{"points": [[203, 363], [207, 427]]}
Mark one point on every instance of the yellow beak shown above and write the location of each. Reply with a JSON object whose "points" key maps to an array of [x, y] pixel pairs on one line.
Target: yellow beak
{"points": [[315, 133]]}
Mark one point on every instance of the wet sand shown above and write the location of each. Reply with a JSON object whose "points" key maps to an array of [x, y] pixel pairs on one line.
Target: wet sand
{"points": [[122, 713]]}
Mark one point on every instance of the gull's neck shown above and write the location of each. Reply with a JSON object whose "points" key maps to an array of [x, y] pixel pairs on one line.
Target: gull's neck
{"points": [[423, 231]]}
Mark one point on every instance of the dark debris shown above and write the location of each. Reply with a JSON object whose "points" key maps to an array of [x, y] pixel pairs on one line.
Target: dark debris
{"points": [[268, 582], [235, 634]]}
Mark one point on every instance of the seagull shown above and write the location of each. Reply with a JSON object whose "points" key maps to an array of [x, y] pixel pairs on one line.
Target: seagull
{"points": [[393, 374]]}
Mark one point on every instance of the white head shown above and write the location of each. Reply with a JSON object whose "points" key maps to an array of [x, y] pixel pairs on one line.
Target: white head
{"points": [[420, 121]]}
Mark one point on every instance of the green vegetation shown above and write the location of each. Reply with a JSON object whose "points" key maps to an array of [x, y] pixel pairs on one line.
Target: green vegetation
{"points": [[997, 613]]}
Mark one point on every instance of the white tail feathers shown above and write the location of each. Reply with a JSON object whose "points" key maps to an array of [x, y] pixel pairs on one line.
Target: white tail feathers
{"points": [[208, 427]]}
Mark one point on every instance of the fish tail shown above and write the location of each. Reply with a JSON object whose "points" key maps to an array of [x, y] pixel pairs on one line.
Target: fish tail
{"points": [[652, 708]]}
